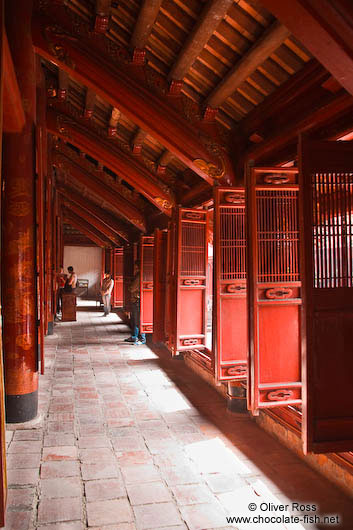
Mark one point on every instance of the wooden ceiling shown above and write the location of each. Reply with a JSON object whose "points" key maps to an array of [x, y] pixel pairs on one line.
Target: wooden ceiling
{"points": [[226, 72]]}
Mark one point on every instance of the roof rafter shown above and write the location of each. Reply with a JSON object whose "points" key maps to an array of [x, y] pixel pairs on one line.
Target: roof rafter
{"points": [[273, 37], [325, 29], [85, 228], [122, 163], [102, 190], [117, 82], [91, 219], [93, 209], [212, 14], [143, 27]]}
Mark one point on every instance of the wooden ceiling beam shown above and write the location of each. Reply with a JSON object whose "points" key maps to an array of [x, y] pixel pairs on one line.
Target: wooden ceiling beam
{"points": [[84, 227], [113, 123], [325, 28], [342, 103], [91, 219], [13, 112], [89, 104], [212, 14], [137, 141], [94, 210], [103, 9], [273, 37], [122, 163], [143, 27], [119, 85], [100, 189], [63, 85], [165, 158]]}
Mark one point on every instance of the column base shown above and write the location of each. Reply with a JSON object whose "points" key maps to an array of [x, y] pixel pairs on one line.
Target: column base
{"points": [[51, 328], [21, 408], [236, 398]]}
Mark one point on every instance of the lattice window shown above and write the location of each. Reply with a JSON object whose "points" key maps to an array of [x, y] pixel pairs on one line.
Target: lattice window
{"points": [[332, 229], [233, 243], [193, 249], [278, 235]]}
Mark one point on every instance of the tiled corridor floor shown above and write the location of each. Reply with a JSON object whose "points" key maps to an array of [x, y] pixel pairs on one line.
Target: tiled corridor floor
{"points": [[130, 441]]}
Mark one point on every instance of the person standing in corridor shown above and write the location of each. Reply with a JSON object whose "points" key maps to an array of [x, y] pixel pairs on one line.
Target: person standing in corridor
{"points": [[106, 291]]}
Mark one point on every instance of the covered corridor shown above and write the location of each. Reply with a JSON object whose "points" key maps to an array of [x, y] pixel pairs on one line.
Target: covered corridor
{"points": [[130, 439]]}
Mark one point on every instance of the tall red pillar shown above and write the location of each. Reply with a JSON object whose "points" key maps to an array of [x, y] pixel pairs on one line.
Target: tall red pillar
{"points": [[18, 248]]}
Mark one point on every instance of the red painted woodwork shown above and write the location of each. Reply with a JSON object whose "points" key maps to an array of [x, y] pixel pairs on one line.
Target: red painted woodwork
{"points": [[117, 271], [159, 284], [230, 330], [274, 288], [68, 307], [13, 113], [189, 329], [327, 255], [122, 163], [18, 236], [3, 476], [118, 83], [146, 283]]}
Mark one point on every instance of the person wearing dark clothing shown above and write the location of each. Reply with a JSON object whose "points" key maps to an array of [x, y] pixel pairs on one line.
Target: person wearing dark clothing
{"points": [[136, 337]]}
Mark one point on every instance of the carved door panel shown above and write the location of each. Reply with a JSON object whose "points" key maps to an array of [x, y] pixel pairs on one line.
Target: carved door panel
{"points": [[170, 314], [118, 289], [146, 283], [190, 277], [159, 283], [274, 288], [230, 331], [326, 179]]}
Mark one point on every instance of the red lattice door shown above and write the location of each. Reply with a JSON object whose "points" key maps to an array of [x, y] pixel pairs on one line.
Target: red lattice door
{"points": [[327, 250], [274, 288], [146, 283], [159, 283], [118, 271], [230, 331], [190, 278], [128, 274]]}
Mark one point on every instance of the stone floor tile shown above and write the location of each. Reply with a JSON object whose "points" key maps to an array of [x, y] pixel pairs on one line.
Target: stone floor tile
{"points": [[55, 488], [203, 516], [22, 461], [186, 494], [148, 493], [131, 458], [27, 447], [28, 434], [140, 473], [75, 525], [99, 471], [86, 442], [60, 453], [60, 469], [55, 440], [18, 520], [180, 475], [21, 477], [105, 489], [57, 510], [152, 516], [109, 512], [20, 497]]}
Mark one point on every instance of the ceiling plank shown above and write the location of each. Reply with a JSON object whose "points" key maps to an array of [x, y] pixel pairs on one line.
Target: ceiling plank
{"points": [[211, 16], [93, 209], [102, 190], [325, 29], [257, 54], [124, 164], [119, 85]]}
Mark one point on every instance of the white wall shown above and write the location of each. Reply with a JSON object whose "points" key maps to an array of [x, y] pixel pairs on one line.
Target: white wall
{"points": [[87, 263]]}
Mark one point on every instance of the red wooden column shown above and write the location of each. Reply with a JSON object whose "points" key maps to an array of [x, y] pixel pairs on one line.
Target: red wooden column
{"points": [[18, 258], [49, 264], [159, 285]]}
